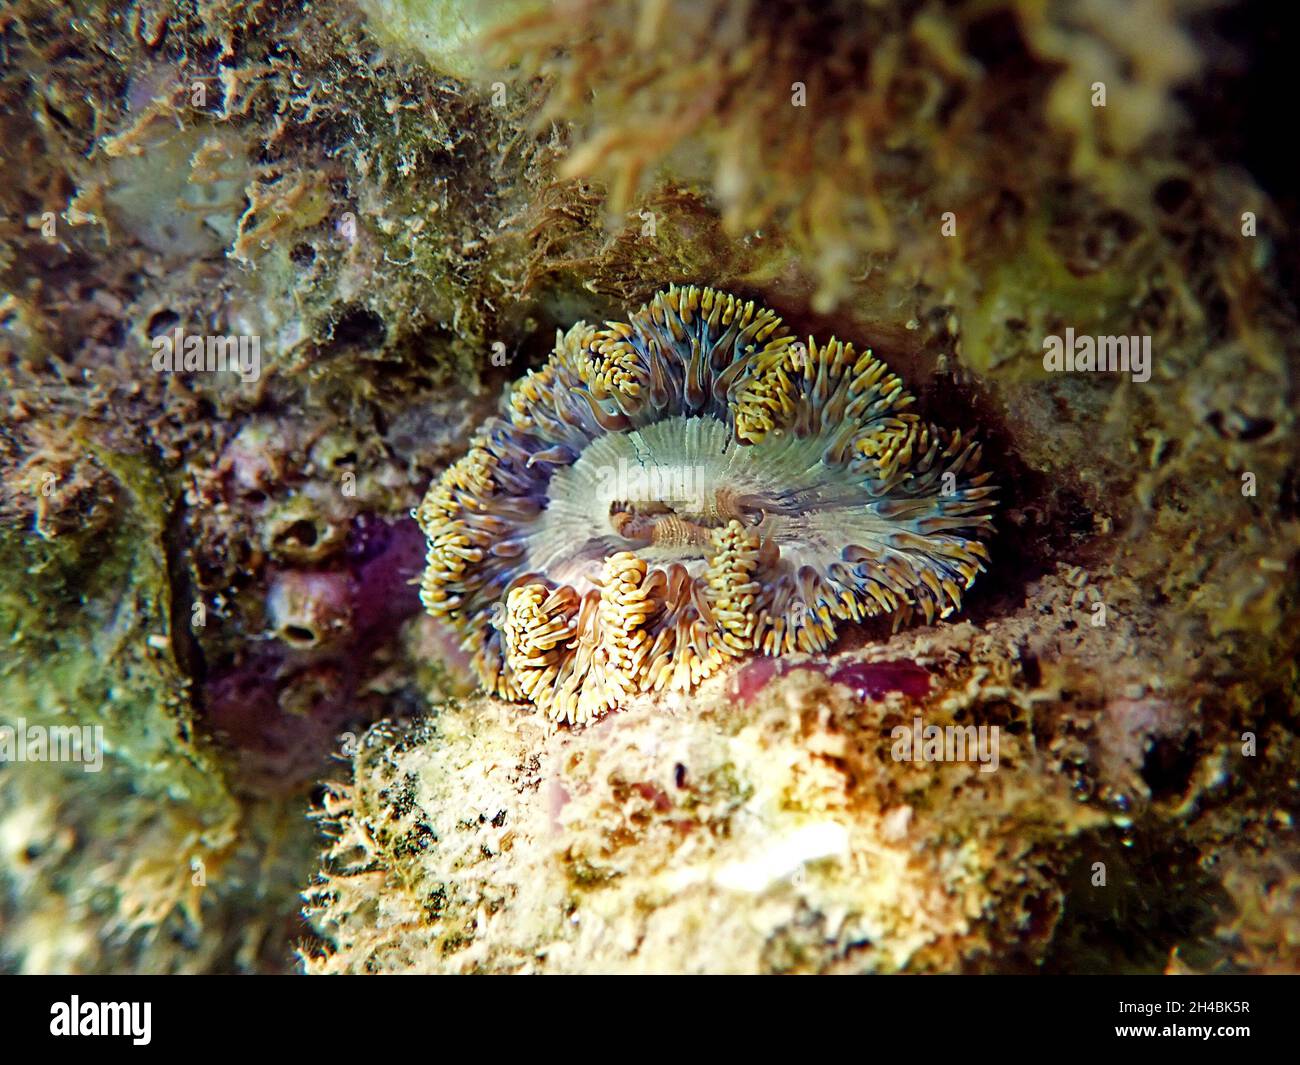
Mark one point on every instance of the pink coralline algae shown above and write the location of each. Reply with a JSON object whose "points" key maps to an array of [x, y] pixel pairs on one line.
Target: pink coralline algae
{"points": [[867, 680], [281, 706]]}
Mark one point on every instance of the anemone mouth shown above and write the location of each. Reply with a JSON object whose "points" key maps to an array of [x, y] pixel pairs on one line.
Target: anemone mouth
{"points": [[690, 486]]}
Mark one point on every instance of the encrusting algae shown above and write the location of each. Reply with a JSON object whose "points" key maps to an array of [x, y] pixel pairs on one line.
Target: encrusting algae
{"points": [[688, 487]]}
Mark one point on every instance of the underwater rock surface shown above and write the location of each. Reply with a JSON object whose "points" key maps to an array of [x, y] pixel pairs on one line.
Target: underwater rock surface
{"points": [[401, 202]]}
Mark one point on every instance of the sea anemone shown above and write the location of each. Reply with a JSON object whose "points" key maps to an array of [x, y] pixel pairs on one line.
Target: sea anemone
{"points": [[686, 488]]}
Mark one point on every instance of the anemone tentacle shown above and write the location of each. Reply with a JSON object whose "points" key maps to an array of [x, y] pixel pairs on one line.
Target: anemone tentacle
{"points": [[672, 492]]}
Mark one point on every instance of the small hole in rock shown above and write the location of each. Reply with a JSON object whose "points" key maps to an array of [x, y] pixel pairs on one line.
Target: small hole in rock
{"points": [[161, 322], [1168, 768], [358, 328], [303, 531], [1172, 194], [298, 634]]}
